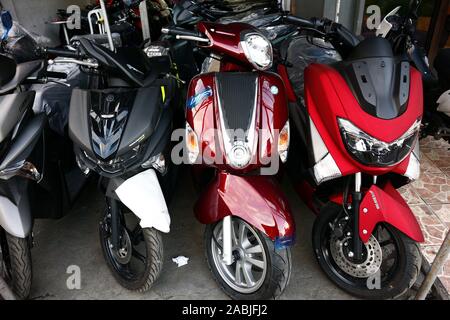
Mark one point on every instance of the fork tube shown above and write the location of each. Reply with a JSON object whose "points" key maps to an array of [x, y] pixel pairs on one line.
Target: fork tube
{"points": [[227, 241], [115, 223], [356, 199]]}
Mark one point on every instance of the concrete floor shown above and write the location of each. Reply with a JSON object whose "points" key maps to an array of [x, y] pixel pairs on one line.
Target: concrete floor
{"points": [[73, 240]]}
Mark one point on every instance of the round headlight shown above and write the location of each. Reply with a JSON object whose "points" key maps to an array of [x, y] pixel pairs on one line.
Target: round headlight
{"points": [[239, 156], [258, 50]]}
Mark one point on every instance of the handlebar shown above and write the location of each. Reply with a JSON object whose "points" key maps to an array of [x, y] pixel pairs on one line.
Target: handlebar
{"points": [[312, 23], [326, 27], [181, 33], [63, 53]]}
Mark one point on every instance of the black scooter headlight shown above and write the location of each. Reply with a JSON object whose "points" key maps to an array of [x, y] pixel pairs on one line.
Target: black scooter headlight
{"points": [[373, 152]]}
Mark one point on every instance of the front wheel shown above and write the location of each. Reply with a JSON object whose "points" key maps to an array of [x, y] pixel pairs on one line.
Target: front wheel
{"points": [[137, 262], [390, 261], [259, 271], [15, 263]]}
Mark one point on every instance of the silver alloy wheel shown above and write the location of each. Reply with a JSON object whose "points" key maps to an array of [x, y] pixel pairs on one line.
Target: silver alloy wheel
{"points": [[248, 271]]}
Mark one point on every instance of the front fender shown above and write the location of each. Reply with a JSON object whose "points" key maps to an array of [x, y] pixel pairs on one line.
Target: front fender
{"points": [[142, 194], [15, 219], [387, 205], [256, 199]]}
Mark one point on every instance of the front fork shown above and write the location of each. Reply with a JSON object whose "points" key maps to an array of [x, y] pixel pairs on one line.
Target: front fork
{"points": [[227, 241], [356, 201], [114, 210]]}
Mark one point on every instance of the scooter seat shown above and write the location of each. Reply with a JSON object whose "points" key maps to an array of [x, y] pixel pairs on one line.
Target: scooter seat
{"points": [[8, 67]]}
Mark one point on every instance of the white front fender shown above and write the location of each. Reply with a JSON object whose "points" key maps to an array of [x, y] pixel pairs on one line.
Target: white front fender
{"points": [[142, 194]]}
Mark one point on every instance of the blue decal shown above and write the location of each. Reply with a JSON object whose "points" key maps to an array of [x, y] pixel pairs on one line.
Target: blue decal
{"points": [[7, 23], [199, 98]]}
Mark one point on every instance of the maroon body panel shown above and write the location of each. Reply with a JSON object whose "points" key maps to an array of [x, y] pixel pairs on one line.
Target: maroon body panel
{"points": [[204, 118], [225, 39], [256, 199]]}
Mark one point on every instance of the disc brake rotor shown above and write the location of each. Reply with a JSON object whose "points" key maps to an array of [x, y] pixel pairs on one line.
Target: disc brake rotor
{"points": [[368, 267]]}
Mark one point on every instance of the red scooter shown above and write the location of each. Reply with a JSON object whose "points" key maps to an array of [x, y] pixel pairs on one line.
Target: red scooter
{"points": [[237, 131], [358, 142]]}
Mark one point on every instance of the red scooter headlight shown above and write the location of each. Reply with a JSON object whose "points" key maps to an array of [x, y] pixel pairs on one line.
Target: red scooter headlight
{"points": [[373, 152]]}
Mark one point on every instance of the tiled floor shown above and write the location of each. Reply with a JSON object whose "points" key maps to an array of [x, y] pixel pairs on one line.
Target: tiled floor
{"points": [[429, 198]]}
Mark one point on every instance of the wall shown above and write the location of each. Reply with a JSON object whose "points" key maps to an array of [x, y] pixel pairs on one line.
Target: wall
{"points": [[33, 14]]}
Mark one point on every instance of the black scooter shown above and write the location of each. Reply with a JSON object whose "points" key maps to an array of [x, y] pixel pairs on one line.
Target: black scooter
{"points": [[121, 124]]}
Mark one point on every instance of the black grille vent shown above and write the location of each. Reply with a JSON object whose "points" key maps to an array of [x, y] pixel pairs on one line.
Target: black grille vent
{"points": [[237, 94]]}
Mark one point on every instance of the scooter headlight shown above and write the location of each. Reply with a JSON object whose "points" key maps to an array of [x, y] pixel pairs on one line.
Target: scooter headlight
{"points": [[193, 149], [283, 142], [258, 50], [239, 156], [373, 152]]}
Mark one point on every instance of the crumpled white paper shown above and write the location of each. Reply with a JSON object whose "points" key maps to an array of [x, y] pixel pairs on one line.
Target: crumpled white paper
{"points": [[181, 260]]}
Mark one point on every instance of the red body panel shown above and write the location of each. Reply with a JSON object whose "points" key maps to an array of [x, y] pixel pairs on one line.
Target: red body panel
{"points": [[328, 97], [256, 199], [387, 205], [271, 115]]}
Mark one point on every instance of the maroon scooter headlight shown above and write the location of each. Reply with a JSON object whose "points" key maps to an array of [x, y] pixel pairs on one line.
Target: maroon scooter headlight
{"points": [[373, 152]]}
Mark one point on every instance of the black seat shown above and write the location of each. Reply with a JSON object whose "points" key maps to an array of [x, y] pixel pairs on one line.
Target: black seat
{"points": [[374, 47], [8, 70]]}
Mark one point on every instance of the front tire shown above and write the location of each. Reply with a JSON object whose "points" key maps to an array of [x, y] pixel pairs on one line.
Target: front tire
{"points": [[392, 260], [15, 264], [259, 270], [137, 264]]}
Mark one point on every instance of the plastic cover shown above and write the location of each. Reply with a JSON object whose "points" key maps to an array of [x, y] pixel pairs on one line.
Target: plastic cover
{"points": [[21, 44], [304, 50], [54, 99]]}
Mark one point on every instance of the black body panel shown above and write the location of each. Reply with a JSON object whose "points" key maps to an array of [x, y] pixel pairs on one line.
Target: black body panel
{"points": [[379, 81], [8, 70], [118, 129], [237, 96]]}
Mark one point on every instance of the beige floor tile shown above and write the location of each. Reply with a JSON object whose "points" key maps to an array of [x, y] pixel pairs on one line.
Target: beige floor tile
{"points": [[410, 195], [433, 188], [443, 212], [433, 229]]}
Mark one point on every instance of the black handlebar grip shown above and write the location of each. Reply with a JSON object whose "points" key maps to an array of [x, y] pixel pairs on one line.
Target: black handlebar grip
{"points": [[176, 31], [63, 53], [300, 21], [347, 36]]}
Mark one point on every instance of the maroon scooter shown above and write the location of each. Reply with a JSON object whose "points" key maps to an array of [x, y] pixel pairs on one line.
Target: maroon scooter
{"points": [[237, 133]]}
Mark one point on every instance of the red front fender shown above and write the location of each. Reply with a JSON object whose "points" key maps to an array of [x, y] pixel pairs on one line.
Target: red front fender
{"points": [[387, 205], [256, 199]]}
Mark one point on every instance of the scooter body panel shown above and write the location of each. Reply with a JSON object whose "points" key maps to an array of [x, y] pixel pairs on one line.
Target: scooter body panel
{"points": [[15, 213], [256, 199], [207, 109], [328, 97], [142, 194], [386, 205]]}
